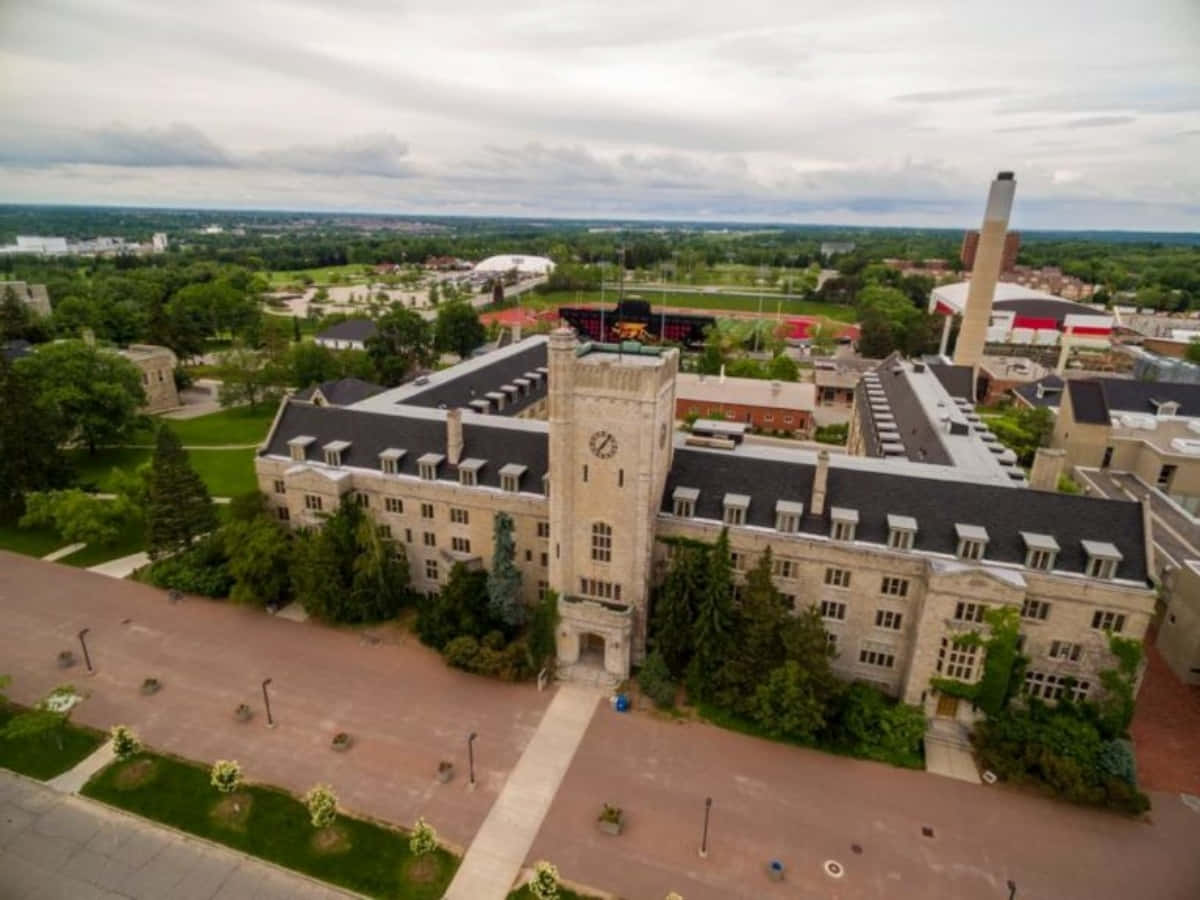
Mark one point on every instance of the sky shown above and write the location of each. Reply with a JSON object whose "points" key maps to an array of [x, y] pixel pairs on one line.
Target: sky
{"points": [[871, 112]]}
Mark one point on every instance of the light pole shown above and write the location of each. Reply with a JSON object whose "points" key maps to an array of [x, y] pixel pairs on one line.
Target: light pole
{"points": [[704, 838], [471, 760], [1012, 889], [82, 643], [267, 702]]}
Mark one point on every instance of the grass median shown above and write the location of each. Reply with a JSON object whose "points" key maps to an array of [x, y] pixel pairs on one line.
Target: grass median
{"points": [[273, 825], [46, 756]]}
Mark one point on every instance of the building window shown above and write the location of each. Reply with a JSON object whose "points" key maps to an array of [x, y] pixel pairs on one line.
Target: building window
{"points": [[1108, 621], [361, 498], [957, 660], [783, 568], [605, 590], [832, 609], [684, 508], [543, 587], [1065, 650], [886, 618], [545, 560], [969, 612], [789, 600], [388, 464], [460, 545], [1052, 687], [894, 587], [333, 458], [872, 654], [466, 477], [426, 510], [384, 531], [620, 478], [1099, 567], [280, 487], [831, 642], [585, 472], [1035, 609], [393, 504], [510, 483], [837, 578], [900, 539], [459, 516], [428, 471], [543, 530], [284, 515], [969, 549], [431, 569], [738, 561], [430, 539], [601, 542], [313, 502], [1040, 559], [787, 523], [408, 535], [735, 515], [843, 531]]}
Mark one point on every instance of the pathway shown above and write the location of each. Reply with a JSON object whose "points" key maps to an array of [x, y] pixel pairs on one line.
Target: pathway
{"points": [[495, 857], [123, 566], [73, 780], [63, 551], [56, 845]]}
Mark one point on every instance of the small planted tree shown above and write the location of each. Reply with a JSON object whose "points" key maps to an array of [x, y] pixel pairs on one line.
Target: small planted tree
{"points": [[321, 803], [124, 742], [226, 776], [423, 843], [544, 884]]}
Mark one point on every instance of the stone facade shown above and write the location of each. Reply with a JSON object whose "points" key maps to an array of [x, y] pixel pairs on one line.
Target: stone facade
{"points": [[157, 365], [33, 296]]}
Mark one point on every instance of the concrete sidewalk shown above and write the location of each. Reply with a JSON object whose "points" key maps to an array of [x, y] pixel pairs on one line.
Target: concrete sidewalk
{"points": [[495, 857], [73, 780], [59, 846]]}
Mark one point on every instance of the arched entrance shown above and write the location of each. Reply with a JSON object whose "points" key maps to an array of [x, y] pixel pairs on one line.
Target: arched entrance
{"points": [[591, 649]]}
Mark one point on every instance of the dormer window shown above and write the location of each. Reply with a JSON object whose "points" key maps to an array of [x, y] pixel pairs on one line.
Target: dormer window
{"points": [[845, 523], [468, 471], [735, 508], [684, 501], [1040, 551], [298, 447], [788, 514], [427, 466], [972, 541], [902, 530], [1103, 558], [389, 460], [510, 477], [333, 452], [1165, 408], [496, 398]]}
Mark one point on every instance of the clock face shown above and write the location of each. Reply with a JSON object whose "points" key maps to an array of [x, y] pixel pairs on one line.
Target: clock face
{"points": [[603, 444]]}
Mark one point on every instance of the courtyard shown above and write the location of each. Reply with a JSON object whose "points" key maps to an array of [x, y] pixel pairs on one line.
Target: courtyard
{"points": [[406, 711]]}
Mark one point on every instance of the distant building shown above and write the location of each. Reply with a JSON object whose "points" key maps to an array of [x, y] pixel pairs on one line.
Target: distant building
{"points": [[763, 405], [157, 365], [830, 248], [1008, 259], [159, 242], [35, 243], [524, 265], [1021, 315], [349, 335], [34, 296], [1050, 279], [836, 379]]}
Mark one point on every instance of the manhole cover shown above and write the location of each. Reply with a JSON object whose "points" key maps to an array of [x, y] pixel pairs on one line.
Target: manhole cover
{"points": [[834, 869]]}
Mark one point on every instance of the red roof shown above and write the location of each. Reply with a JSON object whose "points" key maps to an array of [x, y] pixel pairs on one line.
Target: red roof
{"points": [[799, 327]]}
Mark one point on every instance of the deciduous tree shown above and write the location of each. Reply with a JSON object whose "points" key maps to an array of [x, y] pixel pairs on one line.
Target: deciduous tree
{"points": [[401, 344]]}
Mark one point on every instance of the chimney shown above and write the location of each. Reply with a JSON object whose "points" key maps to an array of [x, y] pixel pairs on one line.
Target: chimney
{"points": [[820, 481], [516, 332], [454, 436], [1047, 468], [981, 290], [1065, 351]]}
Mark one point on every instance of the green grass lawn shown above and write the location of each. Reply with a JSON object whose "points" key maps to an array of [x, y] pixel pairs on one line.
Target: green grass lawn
{"points": [[270, 824], [715, 303], [29, 541], [323, 275], [236, 425], [131, 540], [42, 758], [227, 473]]}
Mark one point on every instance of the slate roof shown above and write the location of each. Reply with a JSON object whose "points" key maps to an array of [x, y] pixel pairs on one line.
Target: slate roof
{"points": [[959, 381], [918, 434], [1041, 308], [371, 433], [937, 505], [1051, 395], [1131, 395], [342, 392], [1088, 402], [459, 392], [350, 330]]}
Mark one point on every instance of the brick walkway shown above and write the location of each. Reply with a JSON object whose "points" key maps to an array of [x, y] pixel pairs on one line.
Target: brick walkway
{"points": [[405, 709], [1166, 728]]}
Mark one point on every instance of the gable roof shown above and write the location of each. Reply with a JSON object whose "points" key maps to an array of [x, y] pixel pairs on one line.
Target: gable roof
{"points": [[1088, 403], [459, 385], [350, 330], [342, 392], [959, 381], [1132, 395], [1052, 387], [937, 504]]}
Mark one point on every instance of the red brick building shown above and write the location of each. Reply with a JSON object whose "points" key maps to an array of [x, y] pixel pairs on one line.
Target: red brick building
{"points": [[764, 405], [1012, 245]]}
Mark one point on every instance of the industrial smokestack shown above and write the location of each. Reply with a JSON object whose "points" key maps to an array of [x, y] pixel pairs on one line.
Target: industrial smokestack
{"points": [[988, 256]]}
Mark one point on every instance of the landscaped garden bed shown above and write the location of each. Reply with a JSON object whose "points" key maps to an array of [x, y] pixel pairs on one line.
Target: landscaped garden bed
{"points": [[273, 825]]}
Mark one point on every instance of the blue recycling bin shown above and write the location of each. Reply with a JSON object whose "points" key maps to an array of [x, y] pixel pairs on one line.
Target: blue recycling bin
{"points": [[621, 704]]}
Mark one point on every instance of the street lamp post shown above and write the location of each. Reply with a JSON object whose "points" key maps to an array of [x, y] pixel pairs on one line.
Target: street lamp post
{"points": [[704, 838], [471, 760], [1012, 889], [82, 643], [267, 702]]}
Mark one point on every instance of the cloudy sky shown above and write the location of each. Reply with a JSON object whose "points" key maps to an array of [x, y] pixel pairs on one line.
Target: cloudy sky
{"points": [[855, 111]]}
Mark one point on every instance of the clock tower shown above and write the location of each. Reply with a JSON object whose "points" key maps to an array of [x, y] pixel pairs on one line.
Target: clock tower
{"points": [[612, 412]]}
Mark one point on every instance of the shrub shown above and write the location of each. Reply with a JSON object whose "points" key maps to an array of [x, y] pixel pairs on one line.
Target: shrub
{"points": [[866, 723], [322, 805], [423, 840], [226, 776], [125, 743], [202, 569], [462, 652], [544, 884], [1115, 759], [654, 679]]}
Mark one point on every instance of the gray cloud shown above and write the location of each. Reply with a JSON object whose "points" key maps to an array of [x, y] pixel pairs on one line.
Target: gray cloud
{"points": [[1099, 121], [373, 154], [115, 145], [949, 96]]}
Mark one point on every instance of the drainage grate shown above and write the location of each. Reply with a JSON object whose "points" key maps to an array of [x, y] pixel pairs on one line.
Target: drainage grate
{"points": [[927, 831]]}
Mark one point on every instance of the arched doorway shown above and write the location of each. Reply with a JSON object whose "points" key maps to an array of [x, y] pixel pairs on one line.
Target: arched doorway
{"points": [[591, 649]]}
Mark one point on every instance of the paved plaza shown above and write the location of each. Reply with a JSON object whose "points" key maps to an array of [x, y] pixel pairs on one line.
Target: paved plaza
{"points": [[407, 710], [57, 847]]}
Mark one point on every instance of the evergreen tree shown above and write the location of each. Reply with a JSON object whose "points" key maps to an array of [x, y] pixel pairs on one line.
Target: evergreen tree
{"points": [[757, 647], [315, 581], [504, 581], [713, 629], [15, 317], [675, 608], [30, 440], [180, 509], [460, 609]]}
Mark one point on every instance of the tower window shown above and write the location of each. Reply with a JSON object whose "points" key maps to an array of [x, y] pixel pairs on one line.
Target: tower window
{"points": [[601, 542]]}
